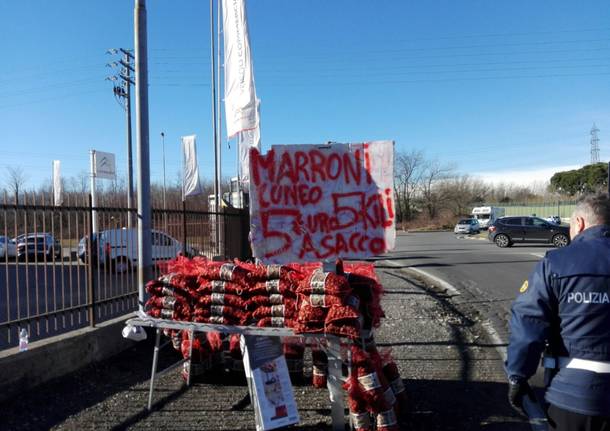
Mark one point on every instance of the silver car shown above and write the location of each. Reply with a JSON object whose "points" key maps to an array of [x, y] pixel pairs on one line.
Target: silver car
{"points": [[8, 247], [467, 226]]}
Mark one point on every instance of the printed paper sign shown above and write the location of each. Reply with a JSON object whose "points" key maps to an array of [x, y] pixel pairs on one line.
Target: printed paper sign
{"points": [[319, 202], [269, 382]]}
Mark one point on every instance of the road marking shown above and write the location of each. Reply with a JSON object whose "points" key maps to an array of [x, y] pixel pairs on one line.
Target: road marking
{"points": [[540, 255], [475, 238], [495, 338], [434, 279]]}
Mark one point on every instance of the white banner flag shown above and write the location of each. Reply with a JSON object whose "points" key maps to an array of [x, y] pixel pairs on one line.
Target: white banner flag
{"points": [[246, 140], [190, 172], [105, 165], [57, 192], [240, 92]]}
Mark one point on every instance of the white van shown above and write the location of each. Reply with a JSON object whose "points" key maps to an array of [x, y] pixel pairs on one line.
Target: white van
{"points": [[487, 215], [117, 249]]}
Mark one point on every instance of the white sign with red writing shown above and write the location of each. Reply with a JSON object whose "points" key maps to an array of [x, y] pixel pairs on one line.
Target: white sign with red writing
{"points": [[320, 202]]}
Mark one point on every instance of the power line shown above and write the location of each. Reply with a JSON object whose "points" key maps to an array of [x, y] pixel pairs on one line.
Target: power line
{"points": [[414, 70], [434, 65], [51, 86], [20, 75], [49, 99], [419, 81], [436, 72], [280, 57], [495, 45], [518, 34], [387, 60]]}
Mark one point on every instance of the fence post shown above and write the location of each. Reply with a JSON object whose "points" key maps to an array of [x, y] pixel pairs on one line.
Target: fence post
{"points": [[184, 226], [227, 248], [245, 234], [90, 265]]}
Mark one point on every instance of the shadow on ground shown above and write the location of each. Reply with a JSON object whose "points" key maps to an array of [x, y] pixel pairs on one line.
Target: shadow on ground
{"points": [[435, 405], [54, 401], [456, 405]]}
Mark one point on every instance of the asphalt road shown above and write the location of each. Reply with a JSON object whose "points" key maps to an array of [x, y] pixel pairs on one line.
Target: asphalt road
{"points": [[484, 275], [36, 289]]}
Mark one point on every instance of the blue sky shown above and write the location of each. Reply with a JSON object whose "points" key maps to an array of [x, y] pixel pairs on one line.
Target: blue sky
{"points": [[489, 86]]}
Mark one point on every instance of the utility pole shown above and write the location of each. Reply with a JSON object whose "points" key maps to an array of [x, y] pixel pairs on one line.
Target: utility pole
{"points": [[122, 92], [143, 151]]}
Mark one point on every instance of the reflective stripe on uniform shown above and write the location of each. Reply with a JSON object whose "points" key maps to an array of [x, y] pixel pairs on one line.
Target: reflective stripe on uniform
{"points": [[576, 363]]}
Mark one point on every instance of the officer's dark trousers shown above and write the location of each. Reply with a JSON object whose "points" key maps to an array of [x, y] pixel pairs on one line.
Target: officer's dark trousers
{"points": [[563, 420]]}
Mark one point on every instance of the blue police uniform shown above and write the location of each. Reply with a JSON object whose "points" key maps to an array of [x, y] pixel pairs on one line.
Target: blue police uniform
{"points": [[566, 302]]}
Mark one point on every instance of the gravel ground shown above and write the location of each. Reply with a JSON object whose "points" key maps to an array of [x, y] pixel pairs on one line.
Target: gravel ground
{"points": [[453, 376]]}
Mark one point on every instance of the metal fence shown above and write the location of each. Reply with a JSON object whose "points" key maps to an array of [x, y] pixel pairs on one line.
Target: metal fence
{"points": [[56, 276], [562, 209]]}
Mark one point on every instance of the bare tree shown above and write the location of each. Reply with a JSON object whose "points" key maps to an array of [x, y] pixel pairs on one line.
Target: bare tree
{"points": [[432, 193], [461, 192], [408, 172], [15, 178]]}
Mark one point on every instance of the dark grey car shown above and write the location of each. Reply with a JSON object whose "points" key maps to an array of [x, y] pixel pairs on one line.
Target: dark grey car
{"points": [[508, 230]]}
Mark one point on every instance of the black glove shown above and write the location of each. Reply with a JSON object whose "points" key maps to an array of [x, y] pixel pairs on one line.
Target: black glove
{"points": [[518, 388]]}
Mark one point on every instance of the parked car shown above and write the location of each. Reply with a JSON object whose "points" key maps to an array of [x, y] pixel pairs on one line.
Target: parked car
{"points": [[508, 230], [8, 247], [38, 245], [467, 225], [83, 249], [117, 249]]}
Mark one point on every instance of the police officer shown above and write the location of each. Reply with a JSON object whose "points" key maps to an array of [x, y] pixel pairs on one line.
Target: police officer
{"points": [[565, 305]]}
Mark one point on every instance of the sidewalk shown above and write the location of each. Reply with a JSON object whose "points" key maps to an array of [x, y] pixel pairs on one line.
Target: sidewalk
{"points": [[452, 373]]}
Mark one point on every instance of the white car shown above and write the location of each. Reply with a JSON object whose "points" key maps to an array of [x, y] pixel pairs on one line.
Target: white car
{"points": [[467, 226], [554, 219], [8, 247], [35, 245], [117, 249]]}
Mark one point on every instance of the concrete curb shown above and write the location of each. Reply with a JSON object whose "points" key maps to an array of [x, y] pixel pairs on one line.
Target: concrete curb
{"points": [[486, 324], [426, 231], [431, 279], [495, 338], [57, 356]]}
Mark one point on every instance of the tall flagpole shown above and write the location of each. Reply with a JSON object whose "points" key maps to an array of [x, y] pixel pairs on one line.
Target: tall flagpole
{"points": [[214, 132], [93, 192], [218, 95]]}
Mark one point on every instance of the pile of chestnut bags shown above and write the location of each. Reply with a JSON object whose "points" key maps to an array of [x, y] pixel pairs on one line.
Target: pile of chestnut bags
{"points": [[303, 297]]}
